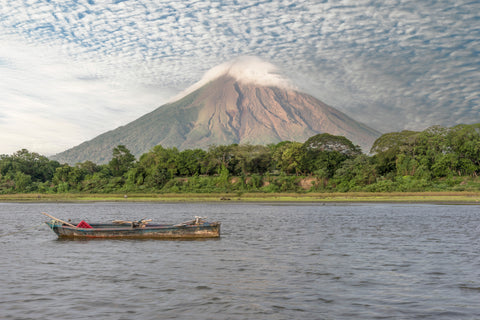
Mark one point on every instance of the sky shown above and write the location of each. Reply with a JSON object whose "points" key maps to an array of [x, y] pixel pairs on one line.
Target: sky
{"points": [[71, 70]]}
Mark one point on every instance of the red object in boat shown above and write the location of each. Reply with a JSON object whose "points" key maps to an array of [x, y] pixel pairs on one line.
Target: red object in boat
{"points": [[83, 224]]}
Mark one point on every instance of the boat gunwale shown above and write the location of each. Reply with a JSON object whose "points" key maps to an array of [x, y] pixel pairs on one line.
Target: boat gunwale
{"points": [[129, 227]]}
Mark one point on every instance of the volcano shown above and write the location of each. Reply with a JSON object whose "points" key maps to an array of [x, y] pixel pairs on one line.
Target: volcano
{"points": [[244, 101]]}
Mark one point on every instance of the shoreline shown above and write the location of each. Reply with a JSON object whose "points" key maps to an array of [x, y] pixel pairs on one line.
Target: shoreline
{"points": [[465, 197]]}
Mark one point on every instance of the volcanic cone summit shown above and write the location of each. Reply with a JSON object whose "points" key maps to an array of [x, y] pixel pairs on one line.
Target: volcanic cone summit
{"points": [[242, 101]]}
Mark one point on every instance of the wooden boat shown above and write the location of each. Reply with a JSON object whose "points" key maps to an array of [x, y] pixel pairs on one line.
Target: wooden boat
{"points": [[142, 229]]}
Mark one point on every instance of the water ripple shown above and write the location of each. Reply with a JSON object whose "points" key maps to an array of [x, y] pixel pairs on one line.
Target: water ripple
{"points": [[295, 261]]}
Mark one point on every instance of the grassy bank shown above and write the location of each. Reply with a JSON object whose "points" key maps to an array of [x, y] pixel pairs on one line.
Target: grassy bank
{"points": [[418, 197]]}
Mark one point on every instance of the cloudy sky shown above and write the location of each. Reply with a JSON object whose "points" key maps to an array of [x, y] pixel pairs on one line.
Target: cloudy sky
{"points": [[70, 70]]}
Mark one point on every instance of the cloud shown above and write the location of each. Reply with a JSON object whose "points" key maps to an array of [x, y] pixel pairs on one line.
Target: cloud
{"points": [[246, 69], [53, 104], [393, 64]]}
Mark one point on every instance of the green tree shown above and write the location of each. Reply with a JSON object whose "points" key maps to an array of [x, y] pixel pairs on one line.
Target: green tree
{"points": [[218, 157], [355, 173], [38, 167], [327, 152], [157, 167], [189, 162], [288, 157], [97, 181], [69, 178], [329, 142], [88, 167], [251, 159], [389, 146], [122, 161], [22, 182], [430, 146], [464, 141]]}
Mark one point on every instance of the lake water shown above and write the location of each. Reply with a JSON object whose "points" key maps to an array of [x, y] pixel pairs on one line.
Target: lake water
{"points": [[273, 261]]}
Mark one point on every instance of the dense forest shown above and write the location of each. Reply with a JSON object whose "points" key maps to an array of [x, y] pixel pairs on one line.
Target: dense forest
{"points": [[435, 159]]}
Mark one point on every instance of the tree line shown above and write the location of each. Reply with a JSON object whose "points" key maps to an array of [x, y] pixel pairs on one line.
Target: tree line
{"points": [[436, 159]]}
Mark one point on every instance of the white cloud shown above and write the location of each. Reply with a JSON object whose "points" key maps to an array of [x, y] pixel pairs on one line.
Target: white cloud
{"points": [[48, 104], [245, 69]]}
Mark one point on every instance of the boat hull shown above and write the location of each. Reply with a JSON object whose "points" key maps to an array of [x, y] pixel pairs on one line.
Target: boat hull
{"points": [[111, 231]]}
